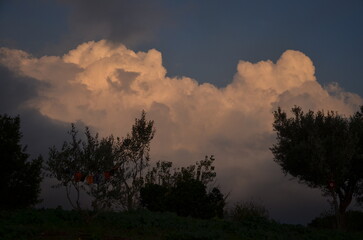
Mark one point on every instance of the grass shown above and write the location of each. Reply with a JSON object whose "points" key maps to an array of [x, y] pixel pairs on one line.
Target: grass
{"points": [[57, 224]]}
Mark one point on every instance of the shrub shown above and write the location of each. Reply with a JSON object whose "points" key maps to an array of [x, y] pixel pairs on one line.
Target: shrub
{"points": [[246, 211], [183, 190], [354, 220], [187, 198], [153, 197]]}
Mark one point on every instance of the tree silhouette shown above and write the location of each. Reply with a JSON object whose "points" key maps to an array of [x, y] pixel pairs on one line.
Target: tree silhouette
{"points": [[81, 158], [189, 198], [20, 179], [183, 190], [110, 170], [324, 151], [154, 197], [133, 158]]}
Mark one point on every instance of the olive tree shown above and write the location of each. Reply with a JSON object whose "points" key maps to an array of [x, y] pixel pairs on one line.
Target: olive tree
{"points": [[322, 150]]}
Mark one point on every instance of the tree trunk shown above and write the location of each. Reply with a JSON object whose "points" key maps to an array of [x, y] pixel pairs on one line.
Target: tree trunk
{"points": [[336, 209], [129, 203], [343, 205]]}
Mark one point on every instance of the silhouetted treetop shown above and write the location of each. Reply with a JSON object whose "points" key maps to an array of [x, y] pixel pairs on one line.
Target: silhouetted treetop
{"points": [[19, 178]]}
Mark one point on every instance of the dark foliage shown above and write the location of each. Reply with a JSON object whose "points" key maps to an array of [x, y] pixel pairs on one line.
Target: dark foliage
{"points": [[324, 151], [51, 224], [109, 170], [216, 202], [20, 179], [184, 191], [354, 221], [189, 198], [154, 197], [247, 211]]}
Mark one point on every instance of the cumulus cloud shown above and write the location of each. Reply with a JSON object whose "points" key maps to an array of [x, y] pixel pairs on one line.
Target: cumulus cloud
{"points": [[106, 85]]}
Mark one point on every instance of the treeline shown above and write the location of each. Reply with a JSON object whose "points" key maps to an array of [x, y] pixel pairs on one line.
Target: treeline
{"points": [[114, 172], [322, 150]]}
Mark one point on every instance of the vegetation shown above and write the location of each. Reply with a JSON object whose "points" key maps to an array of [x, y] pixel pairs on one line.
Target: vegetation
{"points": [[109, 170], [354, 220], [144, 225], [183, 190], [249, 211], [20, 179], [133, 160], [324, 151]]}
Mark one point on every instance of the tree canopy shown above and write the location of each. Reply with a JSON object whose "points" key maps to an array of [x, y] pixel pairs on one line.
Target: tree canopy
{"points": [[183, 190], [19, 178], [109, 170], [322, 150]]}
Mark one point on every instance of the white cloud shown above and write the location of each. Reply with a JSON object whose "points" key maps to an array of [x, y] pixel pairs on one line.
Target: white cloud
{"points": [[107, 85]]}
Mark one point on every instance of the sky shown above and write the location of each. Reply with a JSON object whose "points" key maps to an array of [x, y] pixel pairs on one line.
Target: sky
{"points": [[209, 73]]}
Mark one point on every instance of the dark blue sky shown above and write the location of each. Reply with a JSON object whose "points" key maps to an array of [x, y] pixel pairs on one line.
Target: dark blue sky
{"points": [[199, 39]]}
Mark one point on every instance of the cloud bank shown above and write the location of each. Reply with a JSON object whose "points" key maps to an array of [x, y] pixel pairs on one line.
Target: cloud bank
{"points": [[105, 85]]}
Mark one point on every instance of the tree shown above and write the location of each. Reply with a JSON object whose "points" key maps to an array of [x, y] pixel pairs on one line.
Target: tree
{"points": [[164, 174], [79, 159], [324, 151], [183, 190], [109, 170], [133, 158], [20, 178]]}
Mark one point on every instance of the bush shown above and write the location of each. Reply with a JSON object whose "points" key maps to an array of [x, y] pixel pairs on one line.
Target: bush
{"points": [[153, 197], [354, 221], [187, 198], [183, 190], [247, 211]]}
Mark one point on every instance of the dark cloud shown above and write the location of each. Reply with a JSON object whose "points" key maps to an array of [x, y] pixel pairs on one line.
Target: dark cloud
{"points": [[39, 132], [129, 22], [14, 91]]}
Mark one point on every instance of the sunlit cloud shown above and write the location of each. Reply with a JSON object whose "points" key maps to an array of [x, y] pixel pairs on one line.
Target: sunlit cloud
{"points": [[105, 85]]}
